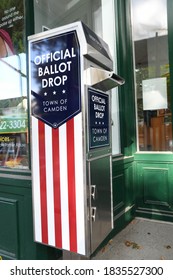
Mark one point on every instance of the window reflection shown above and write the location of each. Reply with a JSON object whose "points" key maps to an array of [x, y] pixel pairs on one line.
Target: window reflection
{"points": [[13, 112], [149, 19], [13, 89], [13, 84]]}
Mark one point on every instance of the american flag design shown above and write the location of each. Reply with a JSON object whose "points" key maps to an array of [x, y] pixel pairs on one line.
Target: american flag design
{"points": [[58, 184]]}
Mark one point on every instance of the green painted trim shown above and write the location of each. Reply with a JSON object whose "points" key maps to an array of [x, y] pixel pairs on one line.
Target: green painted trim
{"points": [[29, 25], [170, 40], [154, 215], [126, 70], [122, 160], [121, 164], [29, 17], [26, 248], [15, 180], [154, 157]]}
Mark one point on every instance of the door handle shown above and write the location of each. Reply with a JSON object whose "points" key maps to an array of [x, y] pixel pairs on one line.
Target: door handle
{"points": [[93, 191], [93, 214]]}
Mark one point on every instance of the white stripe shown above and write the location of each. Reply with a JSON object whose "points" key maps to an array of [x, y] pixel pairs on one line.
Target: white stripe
{"points": [[79, 177], [64, 187], [49, 185], [36, 181]]}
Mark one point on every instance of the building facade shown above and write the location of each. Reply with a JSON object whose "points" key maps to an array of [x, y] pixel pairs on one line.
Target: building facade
{"points": [[139, 34]]}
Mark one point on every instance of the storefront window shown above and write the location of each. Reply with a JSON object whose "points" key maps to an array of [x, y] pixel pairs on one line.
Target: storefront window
{"points": [[94, 13], [150, 36], [13, 92]]}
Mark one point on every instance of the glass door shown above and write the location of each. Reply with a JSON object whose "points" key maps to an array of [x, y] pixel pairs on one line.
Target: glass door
{"points": [[152, 75]]}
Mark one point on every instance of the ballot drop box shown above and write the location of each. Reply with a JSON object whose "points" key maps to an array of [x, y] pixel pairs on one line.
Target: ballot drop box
{"points": [[70, 78]]}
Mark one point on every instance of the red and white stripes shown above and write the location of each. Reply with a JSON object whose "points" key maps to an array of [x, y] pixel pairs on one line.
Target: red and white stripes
{"points": [[58, 184]]}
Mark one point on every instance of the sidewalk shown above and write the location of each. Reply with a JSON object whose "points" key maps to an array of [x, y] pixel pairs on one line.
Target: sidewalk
{"points": [[140, 240]]}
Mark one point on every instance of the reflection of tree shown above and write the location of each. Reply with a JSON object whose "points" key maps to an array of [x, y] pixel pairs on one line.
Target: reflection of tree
{"points": [[167, 75], [12, 103], [17, 30], [141, 74]]}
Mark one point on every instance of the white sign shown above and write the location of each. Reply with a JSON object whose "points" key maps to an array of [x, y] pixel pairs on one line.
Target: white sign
{"points": [[154, 94]]}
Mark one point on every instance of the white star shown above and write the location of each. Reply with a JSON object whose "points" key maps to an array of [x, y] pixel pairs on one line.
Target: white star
{"points": [[64, 91], [54, 92], [45, 94]]}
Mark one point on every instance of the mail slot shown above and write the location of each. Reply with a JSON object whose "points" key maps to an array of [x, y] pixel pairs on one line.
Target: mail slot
{"points": [[70, 76]]}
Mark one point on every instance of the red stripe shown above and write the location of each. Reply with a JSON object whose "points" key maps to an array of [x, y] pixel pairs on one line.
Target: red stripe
{"points": [[71, 185], [56, 183], [42, 163]]}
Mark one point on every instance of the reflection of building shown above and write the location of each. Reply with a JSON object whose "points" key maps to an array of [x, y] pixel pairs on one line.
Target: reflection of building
{"points": [[145, 51], [142, 139]]}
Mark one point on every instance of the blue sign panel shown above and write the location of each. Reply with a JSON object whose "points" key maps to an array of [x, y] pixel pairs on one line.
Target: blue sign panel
{"points": [[55, 78], [98, 108]]}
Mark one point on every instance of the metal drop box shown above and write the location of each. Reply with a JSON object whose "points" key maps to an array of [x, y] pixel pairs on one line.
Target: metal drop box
{"points": [[71, 75]]}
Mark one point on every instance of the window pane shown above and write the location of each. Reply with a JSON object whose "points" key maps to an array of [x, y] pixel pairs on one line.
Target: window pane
{"points": [[13, 90], [94, 13], [149, 20]]}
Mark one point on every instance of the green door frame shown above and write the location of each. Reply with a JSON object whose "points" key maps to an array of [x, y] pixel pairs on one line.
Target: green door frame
{"points": [[153, 178]]}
